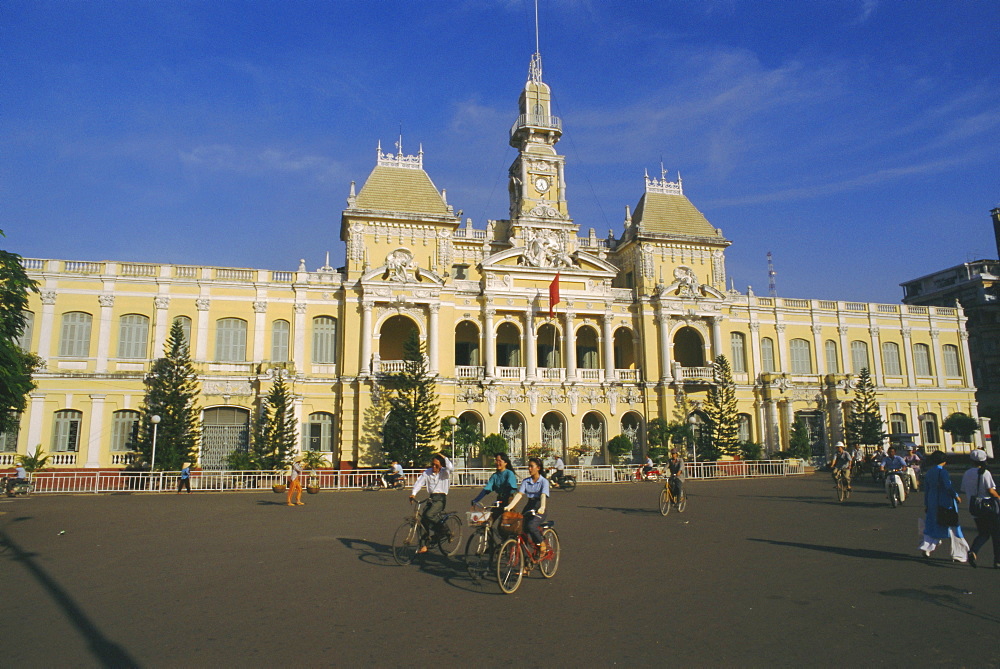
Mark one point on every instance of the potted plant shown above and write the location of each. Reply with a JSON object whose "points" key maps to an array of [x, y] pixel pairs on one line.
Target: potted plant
{"points": [[313, 460], [619, 446], [584, 454]]}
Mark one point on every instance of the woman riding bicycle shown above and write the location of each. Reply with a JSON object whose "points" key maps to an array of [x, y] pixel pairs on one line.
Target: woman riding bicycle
{"points": [[503, 483], [536, 488]]}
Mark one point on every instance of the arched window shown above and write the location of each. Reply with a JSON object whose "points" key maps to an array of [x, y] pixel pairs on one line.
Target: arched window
{"points": [[738, 346], [897, 423], [318, 435], [587, 356], [801, 356], [929, 429], [859, 356], [75, 339], [231, 340], [743, 425], [8, 440], [324, 351], [890, 359], [66, 431], [466, 344], [133, 330], [280, 331], [185, 327], [29, 324], [952, 368], [832, 360], [767, 354], [124, 430], [922, 359]]}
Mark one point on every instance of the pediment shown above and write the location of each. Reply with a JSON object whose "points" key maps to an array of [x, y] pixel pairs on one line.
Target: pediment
{"points": [[512, 260]]}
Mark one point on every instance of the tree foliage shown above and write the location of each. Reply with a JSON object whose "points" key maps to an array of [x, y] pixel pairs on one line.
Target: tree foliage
{"points": [[864, 426], [413, 428], [171, 394], [722, 409], [662, 436], [16, 365], [799, 445], [494, 444], [961, 426], [274, 434], [619, 446]]}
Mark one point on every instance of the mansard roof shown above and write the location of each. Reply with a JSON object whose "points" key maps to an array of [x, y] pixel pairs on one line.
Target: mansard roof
{"points": [[671, 214], [401, 189]]}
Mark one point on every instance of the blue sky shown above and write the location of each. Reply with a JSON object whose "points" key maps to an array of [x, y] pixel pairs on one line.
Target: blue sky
{"points": [[855, 139]]}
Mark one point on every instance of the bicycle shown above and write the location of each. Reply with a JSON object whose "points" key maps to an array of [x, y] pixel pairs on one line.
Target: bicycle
{"points": [[481, 549], [843, 485], [411, 536], [669, 499], [520, 549]]}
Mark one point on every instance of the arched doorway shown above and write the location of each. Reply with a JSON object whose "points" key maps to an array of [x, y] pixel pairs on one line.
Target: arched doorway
{"points": [[632, 427], [549, 347], [393, 335], [554, 433], [512, 429], [815, 426], [469, 432], [624, 349], [224, 430], [508, 345], [587, 348], [689, 347], [594, 437], [467, 344]]}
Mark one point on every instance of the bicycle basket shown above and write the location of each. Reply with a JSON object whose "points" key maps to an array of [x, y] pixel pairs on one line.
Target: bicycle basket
{"points": [[476, 518], [511, 523]]}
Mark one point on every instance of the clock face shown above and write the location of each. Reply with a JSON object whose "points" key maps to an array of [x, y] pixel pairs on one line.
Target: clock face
{"points": [[541, 184]]}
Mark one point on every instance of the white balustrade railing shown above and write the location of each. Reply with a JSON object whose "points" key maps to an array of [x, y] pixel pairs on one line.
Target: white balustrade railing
{"points": [[468, 372], [627, 375], [358, 479], [510, 373], [589, 374], [696, 372], [552, 373]]}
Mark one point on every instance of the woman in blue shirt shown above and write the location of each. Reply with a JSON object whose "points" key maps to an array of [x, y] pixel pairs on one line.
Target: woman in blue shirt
{"points": [[503, 482], [938, 492], [536, 489]]}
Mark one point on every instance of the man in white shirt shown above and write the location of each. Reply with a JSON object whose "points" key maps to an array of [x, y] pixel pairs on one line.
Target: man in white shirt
{"points": [[20, 476], [437, 479], [560, 470]]}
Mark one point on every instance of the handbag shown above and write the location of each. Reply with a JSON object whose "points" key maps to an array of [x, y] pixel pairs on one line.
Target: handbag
{"points": [[983, 506], [947, 516]]}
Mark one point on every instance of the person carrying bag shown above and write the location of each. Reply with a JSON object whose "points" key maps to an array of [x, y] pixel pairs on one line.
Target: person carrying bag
{"points": [[984, 505]]}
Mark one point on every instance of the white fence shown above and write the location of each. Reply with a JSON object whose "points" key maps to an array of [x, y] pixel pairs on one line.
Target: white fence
{"points": [[358, 479]]}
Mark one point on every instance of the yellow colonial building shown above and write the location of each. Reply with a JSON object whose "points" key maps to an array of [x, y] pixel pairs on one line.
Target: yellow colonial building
{"points": [[640, 317]]}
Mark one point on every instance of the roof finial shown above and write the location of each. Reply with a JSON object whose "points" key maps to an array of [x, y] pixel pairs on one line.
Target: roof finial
{"points": [[535, 69]]}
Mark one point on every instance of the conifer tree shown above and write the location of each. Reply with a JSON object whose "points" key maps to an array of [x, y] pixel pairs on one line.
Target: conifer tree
{"points": [[16, 365], [413, 427], [722, 410], [864, 427], [799, 445], [171, 394], [274, 435]]}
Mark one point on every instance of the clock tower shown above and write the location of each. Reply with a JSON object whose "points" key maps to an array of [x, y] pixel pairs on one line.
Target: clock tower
{"points": [[537, 182]]}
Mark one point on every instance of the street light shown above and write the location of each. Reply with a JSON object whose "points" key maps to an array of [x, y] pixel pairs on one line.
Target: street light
{"points": [[692, 421], [453, 422], [155, 420]]}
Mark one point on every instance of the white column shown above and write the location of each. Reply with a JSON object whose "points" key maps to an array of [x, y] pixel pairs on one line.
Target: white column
{"points": [[570, 346], [845, 354], [966, 358], [938, 362], [366, 338], [48, 317], [96, 429], [299, 338], [915, 424], [760, 429], [609, 348], [161, 304], [946, 439], [201, 341], [876, 356], [36, 416], [259, 328], [716, 338], [911, 379], [789, 412], [773, 426], [433, 338], [107, 301], [754, 350], [666, 375], [783, 362], [531, 345], [818, 357], [490, 343]]}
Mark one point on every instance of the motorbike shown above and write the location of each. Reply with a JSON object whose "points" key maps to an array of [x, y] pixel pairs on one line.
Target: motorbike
{"points": [[568, 482], [381, 484], [19, 487], [652, 475], [897, 485]]}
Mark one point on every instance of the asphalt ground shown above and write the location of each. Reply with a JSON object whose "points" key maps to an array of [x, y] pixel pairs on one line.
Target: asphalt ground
{"points": [[755, 572]]}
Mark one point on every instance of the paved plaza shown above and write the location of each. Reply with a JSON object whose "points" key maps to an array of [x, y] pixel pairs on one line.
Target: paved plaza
{"points": [[755, 572]]}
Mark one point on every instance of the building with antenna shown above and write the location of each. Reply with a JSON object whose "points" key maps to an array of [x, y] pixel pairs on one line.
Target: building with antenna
{"points": [[641, 316]]}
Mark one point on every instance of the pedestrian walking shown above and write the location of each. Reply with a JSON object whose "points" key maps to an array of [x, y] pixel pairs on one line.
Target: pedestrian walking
{"points": [[294, 484], [184, 482], [941, 502], [984, 505]]}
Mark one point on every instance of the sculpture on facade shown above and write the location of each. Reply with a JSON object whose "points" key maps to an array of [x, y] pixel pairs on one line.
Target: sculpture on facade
{"points": [[400, 265], [545, 250]]}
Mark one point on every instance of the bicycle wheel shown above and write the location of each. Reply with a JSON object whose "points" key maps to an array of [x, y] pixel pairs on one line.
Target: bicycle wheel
{"points": [[841, 489], [550, 562], [477, 559], [569, 484], [406, 543], [451, 535], [682, 504], [510, 563], [664, 502]]}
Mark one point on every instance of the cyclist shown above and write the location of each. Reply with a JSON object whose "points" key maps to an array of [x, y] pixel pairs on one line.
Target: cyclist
{"points": [[19, 477], [676, 467], [648, 467], [503, 482], [895, 467], [394, 474], [559, 470], [841, 465], [536, 488], [913, 460], [437, 478]]}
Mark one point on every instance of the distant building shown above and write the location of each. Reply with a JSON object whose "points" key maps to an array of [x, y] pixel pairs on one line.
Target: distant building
{"points": [[641, 316], [976, 286]]}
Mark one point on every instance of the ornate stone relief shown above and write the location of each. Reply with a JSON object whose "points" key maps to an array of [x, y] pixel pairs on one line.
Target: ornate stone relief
{"points": [[238, 388], [356, 243], [300, 307], [161, 302], [260, 307], [106, 300], [445, 249], [647, 261], [686, 284], [401, 266], [545, 248], [470, 396], [48, 297], [545, 211], [202, 303]]}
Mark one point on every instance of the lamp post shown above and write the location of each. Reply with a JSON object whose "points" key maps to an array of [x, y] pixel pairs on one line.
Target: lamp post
{"points": [[692, 421], [155, 420], [453, 422]]}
